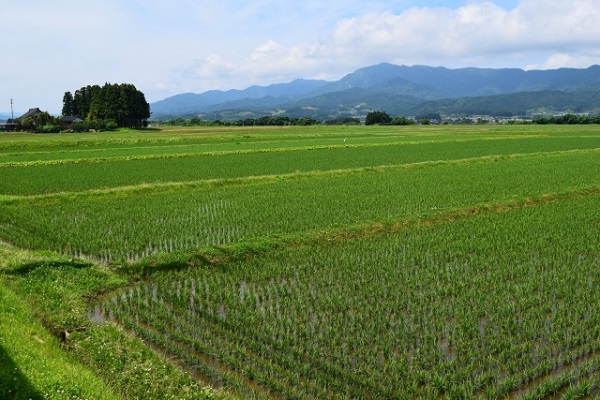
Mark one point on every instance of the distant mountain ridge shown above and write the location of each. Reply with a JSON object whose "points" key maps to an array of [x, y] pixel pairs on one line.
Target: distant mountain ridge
{"points": [[401, 90], [193, 103], [4, 116]]}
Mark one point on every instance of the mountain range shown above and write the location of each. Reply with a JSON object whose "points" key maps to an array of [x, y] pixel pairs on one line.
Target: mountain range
{"points": [[4, 116], [402, 90]]}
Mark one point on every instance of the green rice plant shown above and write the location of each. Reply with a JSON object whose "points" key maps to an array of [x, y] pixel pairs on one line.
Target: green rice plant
{"points": [[359, 316], [129, 225], [170, 165], [439, 262]]}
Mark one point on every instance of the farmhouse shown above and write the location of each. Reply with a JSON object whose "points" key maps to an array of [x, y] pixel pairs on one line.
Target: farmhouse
{"points": [[12, 125]]}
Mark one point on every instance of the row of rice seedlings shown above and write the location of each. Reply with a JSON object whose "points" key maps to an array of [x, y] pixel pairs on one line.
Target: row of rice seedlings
{"points": [[202, 366], [379, 307], [200, 238], [572, 384], [262, 346], [209, 339], [222, 315], [206, 224], [174, 136], [480, 328], [113, 227], [22, 179], [583, 387], [437, 149]]}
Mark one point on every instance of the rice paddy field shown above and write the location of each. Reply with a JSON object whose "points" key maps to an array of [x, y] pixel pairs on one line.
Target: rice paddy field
{"points": [[419, 262]]}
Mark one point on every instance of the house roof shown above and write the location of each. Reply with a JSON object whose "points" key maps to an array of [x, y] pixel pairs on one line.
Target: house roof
{"points": [[71, 119], [31, 113]]}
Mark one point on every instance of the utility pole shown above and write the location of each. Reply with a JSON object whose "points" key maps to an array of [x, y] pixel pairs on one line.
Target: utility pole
{"points": [[12, 115]]}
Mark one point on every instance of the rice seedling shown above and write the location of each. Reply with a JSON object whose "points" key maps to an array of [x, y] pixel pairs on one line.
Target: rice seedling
{"points": [[475, 307], [441, 262]]}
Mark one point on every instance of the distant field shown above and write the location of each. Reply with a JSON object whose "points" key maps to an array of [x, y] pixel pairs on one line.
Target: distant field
{"points": [[335, 262]]}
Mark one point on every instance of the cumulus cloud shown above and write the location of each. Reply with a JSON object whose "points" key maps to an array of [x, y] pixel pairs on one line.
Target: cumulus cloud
{"points": [[534, 34], [474, 30], [270, 62], [187, 46]]}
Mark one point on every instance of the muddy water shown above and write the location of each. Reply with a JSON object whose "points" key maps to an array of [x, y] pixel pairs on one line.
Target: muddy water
{"points": [[573, 365]]}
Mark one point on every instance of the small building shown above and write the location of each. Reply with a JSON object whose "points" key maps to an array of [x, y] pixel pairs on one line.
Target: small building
{"points": [[14, 124], [8, 126], [69, 121]]}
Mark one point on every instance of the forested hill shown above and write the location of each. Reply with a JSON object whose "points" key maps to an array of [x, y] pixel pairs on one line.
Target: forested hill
{"points": [[402, 90]]}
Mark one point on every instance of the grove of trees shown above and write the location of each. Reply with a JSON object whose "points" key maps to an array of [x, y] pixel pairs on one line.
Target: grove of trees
{"points": [[383, 118], [378, 117], [568, 119], [112, 105], [269, 120]]}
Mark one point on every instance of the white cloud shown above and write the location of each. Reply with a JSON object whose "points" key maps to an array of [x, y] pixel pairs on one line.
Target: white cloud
{"points": [[270, 62], [190, 46], [474, 30], [540, 33]]}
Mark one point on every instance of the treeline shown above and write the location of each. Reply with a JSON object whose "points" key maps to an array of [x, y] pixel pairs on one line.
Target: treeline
{"points": [[383, 118], [271, 120], [109, 106], [568, 119], [274, 120], [373, 118]]}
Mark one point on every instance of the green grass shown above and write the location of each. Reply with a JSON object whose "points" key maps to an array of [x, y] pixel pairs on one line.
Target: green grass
{"points": [[33, 363], [34, 366], [43, 297]]}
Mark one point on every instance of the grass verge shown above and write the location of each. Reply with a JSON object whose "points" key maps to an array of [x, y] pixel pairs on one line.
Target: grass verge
{"points": [[51, 348], [34, 366]]}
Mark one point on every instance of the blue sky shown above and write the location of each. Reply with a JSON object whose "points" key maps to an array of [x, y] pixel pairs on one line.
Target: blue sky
{"points": [[177, 46]]}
